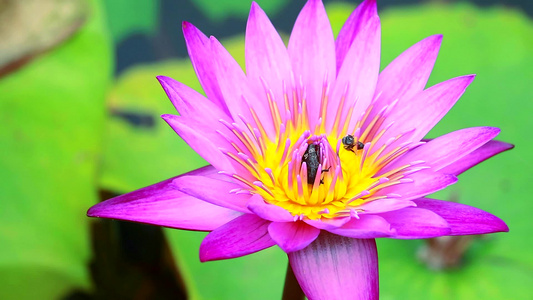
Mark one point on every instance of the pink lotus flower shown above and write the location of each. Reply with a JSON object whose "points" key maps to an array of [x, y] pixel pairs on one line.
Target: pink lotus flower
{"points": [[315, 151]]}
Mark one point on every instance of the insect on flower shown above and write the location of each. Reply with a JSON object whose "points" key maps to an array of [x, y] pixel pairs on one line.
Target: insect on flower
{"points": [[349, 143], [272, 136]]}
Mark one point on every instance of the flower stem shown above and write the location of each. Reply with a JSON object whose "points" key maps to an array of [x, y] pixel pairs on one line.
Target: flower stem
{"points": [[291, 289]]}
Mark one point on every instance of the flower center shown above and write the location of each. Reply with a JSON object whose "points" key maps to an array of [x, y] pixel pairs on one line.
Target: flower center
{"points": [[308, 170]]}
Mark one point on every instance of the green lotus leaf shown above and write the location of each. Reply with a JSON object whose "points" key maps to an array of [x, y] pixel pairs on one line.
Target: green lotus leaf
{"points": [[52, 113]]}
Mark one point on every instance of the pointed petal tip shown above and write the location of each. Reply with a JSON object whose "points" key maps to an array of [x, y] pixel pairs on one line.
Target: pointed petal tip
{"points": [[91, 212], [186, 25], [494, 131], [467, 78], [508, 146], [168, 116], [457, 84], [164, 81], [163, 77], [313, 4], [464, 219], [100, 210], [496, 225], [437, 37], [470, 76], [204, 257], [253, 7], [504, 226]]}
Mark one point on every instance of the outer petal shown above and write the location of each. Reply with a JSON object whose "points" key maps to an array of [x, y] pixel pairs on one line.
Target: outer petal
{"points": [[384, 205], [425, 109], [203, 139], [189, 102], [335, 267], [423, 183], [268, 211], [366, 227], [161, 204], [214, 191], [416, 223], [244, 235], [199, 48], [484, 152], [292, 236], [267, 57], [443, 151], [352, 27], [328, 224], [357, 78], [464, 219], [312, 53], [407, 75]]}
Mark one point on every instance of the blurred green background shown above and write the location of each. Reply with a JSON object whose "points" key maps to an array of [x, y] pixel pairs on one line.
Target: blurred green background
{"points": [[79, 113]]}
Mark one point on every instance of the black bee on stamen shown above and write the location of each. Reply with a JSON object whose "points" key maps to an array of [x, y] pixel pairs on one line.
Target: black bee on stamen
{"points": [[349, 143]]}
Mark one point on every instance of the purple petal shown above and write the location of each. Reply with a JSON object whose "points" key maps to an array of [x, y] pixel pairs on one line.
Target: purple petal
{"points": [[328, 224], [443, 151], [425, 109], [424, 183], [358, 76], [312, 53], [268, 211], [352, 27], [416, 223], [199, 48], [161, 204], [214, 191], [464, 219], [203, 139], [189, 102], [335, 267], [366, 227], [292, 236], [244, 235], [406, 75], [384, 205], [267, 57], [479, 155], [235, 88]]}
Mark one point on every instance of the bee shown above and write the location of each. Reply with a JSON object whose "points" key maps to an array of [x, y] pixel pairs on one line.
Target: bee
{"points": [[349, 143]]}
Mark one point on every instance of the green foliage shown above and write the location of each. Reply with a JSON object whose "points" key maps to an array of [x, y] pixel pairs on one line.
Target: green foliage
{"points": [[257, 276], [52, 115], [138, 155], [128, 17]]}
